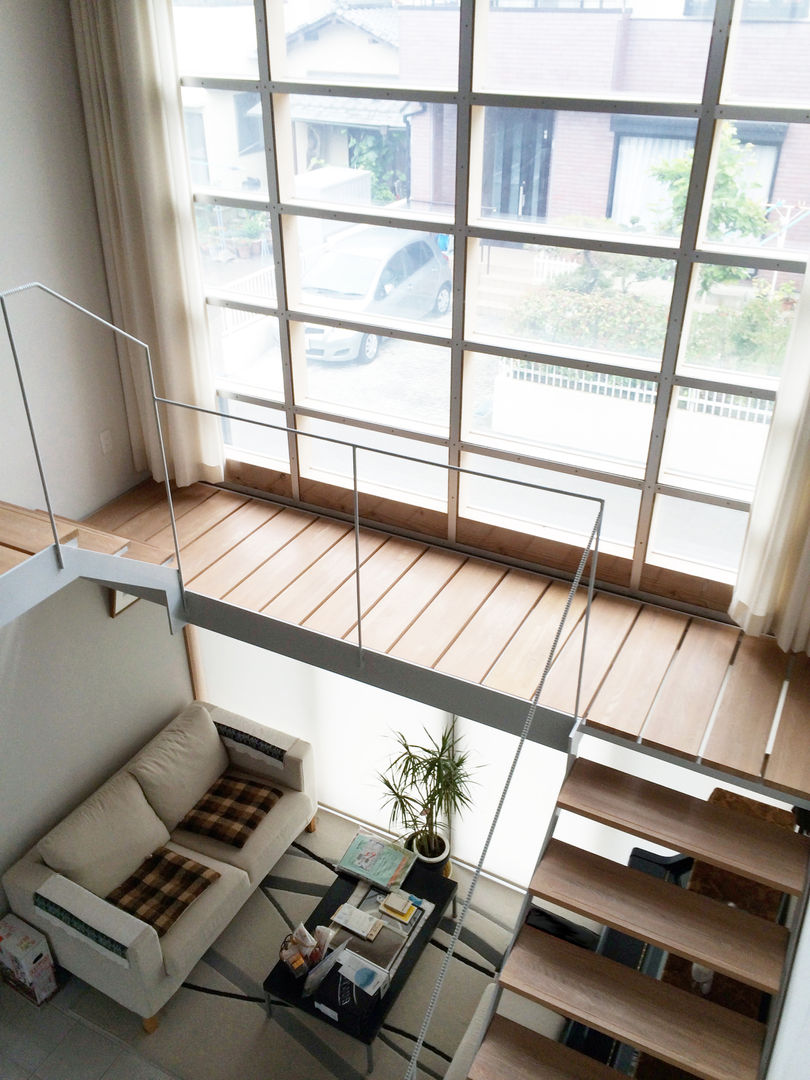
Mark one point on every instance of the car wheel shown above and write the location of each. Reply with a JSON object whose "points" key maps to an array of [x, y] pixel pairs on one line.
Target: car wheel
{"points": [[442, 305], [369, 347]]}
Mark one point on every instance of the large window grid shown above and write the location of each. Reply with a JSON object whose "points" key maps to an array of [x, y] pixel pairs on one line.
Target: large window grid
{"points": [[470, 236]]}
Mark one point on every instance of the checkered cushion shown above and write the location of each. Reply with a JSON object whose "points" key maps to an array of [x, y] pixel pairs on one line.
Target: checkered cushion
{"points": [[162, 887], [231, 809]]}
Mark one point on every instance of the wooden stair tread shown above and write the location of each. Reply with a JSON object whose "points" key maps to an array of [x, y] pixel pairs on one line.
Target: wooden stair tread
{"points": [[610, 621], [742, 724], [408, 598], [435, 630], [10, 557], [623, 700], [249, 554], [680, 1028], [512, 1052], [28, 531], [485, 636], [519, 667], [682, 710], [723, 938], [789, 764], [754, 848]]}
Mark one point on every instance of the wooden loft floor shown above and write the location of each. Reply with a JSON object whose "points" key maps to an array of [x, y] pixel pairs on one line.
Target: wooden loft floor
{"points": [[689, 687]]}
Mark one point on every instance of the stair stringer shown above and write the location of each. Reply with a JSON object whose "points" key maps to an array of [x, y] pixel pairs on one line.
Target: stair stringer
{"points": [[41, 576], [775, 1011]]}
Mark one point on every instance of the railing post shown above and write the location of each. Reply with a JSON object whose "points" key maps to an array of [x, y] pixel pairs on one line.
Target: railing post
{"points": [[29, 418], [357, 552]]}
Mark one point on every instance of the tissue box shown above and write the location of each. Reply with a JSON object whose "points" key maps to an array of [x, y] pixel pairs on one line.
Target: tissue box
{"points": [[25, 959]]}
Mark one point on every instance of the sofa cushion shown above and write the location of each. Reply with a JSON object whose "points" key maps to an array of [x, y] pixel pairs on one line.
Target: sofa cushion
{"points": [[178, 766], [105, 838], [162, 887], [231, 809]]}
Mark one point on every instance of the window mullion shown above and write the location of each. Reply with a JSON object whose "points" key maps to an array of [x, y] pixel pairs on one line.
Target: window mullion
{"points": [[462, 201], [268, 125], [698, 197]]}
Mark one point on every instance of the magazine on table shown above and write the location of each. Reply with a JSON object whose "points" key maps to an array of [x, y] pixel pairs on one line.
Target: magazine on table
{"points": [[377, 861]]}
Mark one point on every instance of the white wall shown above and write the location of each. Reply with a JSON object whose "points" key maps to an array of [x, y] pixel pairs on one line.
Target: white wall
{"points": [[50, 234], [79, 693]]}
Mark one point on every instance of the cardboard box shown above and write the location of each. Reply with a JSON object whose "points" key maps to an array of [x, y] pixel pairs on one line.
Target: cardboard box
{"points": [[25, 959]]}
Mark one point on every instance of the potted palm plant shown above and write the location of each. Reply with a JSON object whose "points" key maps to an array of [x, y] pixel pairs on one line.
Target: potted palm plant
{"points": [[424, 786]]}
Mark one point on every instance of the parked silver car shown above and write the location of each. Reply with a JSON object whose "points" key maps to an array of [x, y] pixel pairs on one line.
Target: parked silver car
{"points": [[380, 271]]}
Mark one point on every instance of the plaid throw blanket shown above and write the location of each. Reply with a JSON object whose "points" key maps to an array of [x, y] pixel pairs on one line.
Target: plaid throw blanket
{"points": [[162, 887], [231, 809]]}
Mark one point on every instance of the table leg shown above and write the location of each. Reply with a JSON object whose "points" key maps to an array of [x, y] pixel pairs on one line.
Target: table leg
{"points": [[369, 1059]]}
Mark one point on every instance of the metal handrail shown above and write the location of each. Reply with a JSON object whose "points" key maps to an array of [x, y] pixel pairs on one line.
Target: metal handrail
{"points": [[355, 448], [593, 542], [135, 341]]}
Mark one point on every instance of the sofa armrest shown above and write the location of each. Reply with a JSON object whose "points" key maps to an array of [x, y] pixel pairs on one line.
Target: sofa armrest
{"points": [[72, 912], [265, 751]]}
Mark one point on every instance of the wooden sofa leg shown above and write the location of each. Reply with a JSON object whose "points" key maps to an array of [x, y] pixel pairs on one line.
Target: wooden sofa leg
{"points": [[150, 1023], [313, 825]]}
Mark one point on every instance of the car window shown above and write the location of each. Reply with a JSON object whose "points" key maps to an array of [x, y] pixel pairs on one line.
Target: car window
{"points": [[393, 274], [417, 256]]}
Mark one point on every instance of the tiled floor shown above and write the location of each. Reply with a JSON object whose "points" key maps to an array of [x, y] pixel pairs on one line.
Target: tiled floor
{"points": [[51, 1043]]}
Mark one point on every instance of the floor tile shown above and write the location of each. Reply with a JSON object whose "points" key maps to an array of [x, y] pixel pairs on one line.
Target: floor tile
{"points": [[128, 1066], [83, 1054], [9, 1070], [30, 1035]]}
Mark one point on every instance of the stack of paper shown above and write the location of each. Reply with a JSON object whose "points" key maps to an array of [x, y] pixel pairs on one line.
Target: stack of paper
{"points": [[398, 905]]}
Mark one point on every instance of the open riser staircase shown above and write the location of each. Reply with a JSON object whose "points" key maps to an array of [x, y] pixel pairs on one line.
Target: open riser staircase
{"points": [[658, 1019]]}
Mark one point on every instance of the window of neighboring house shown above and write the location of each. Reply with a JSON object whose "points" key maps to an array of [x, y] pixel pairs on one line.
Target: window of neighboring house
{"points": [[197, 150], [248, 123]]}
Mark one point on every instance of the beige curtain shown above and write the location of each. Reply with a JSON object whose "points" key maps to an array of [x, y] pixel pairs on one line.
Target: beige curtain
{"points": [[134, 126], [773, 586]]}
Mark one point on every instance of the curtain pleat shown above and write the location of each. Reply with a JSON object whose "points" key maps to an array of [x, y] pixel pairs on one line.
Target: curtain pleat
{"points": [[772, 594], [134, 124]]}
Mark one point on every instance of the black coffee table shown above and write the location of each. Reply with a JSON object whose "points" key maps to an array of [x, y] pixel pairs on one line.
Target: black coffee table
{"points": [[281, 986]]}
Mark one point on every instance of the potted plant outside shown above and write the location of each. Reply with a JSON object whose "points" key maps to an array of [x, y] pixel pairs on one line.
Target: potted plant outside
{"points": [[424, 786]]}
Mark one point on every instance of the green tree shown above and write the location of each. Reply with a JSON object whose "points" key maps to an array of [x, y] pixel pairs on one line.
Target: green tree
{"points": [[733, 214]]}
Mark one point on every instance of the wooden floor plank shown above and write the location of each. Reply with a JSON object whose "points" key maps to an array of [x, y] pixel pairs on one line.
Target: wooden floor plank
{"points": [[610, 621], [519, 668], [147, 524], [199, 519], [274, 575], [681, 712], [298, 601], [719, 936], [337, 617], [756, 849], [28, 531], [201, 553], [407, 598], [112, 516], [10, 557], [512, 1052], [485, 636], [435, 630], [680, 1028], [238, 563], [743, 722], [624, 698], [788, 767]]}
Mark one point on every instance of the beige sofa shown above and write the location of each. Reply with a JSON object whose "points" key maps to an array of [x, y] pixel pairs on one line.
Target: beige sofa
{"points": [[60, 884]]}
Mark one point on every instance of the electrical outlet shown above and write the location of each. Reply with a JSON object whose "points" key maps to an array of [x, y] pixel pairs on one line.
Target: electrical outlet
{"points": [[106, 440]]}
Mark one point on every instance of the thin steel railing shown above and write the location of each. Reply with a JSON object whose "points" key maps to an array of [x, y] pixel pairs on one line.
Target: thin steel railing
{"points": [[355, 449], [129, 337]]}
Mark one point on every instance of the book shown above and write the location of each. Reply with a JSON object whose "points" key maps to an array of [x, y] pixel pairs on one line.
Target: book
{"points": [[362, 923], [382, 951], [378, 861]]}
